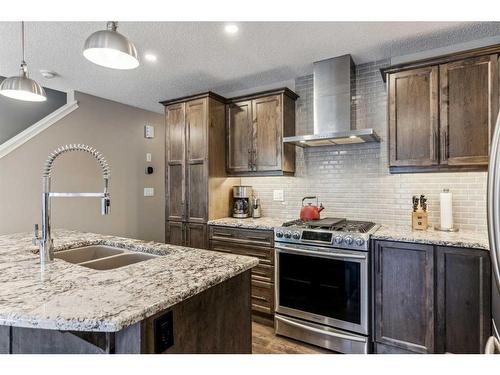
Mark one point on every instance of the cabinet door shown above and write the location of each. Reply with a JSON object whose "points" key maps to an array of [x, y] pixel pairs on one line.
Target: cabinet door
{"points": [[239, 137], [463, 300], [469, 107], [196, 161], [175, 161], [267, 133], [413, 117], [404, 295], [175, 233], [196, 235]]}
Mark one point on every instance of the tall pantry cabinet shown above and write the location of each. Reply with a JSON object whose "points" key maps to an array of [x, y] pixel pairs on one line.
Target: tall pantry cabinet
{"points": [[196, 186]]}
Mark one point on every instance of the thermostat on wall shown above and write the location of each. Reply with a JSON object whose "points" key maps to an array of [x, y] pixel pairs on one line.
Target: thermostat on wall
{"points": [[149, 131]]}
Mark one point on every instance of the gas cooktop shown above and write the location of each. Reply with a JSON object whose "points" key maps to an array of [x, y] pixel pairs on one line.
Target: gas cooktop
{"points": [[333, 224], [329, 232]]}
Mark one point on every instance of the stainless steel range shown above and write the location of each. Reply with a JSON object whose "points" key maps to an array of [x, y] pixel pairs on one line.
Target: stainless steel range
{"points": [[322, 282]]}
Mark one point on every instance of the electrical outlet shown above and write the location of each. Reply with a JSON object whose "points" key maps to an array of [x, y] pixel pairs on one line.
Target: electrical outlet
{"points": [[278, 195], [148, 157], [149, 192]]}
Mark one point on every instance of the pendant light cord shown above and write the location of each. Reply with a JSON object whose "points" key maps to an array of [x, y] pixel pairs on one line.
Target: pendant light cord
{"points": [[22, 40]]}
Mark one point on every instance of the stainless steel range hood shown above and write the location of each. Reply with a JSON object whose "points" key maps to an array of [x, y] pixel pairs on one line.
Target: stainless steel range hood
{"points": [[333, 89]]}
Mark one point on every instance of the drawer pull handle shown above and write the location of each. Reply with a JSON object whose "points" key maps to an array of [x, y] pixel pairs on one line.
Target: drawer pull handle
{"points": [[258, 238], [259, 298], [223, 234]]}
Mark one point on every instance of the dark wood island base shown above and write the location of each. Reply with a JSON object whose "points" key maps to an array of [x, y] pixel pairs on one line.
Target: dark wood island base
{"points": [[217, 320]]}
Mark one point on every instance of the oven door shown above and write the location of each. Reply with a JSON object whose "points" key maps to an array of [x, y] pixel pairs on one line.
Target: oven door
{"points": [[329, 287]]}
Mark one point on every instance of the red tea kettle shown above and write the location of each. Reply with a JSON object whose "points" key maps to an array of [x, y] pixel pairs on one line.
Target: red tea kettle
{"points": [[310, 212]]}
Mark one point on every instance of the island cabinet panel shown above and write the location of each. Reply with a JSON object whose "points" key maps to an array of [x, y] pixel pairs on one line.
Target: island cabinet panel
{"points": [[413, 117], [430, 299], [258, 244], [469, 104], [217, 320], [256, 125], [404, 296], [463, 300], [197, 188]]}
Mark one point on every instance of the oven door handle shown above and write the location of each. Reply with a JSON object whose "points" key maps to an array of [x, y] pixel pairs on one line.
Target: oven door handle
{"points": [[317, 330], [322, 254]]}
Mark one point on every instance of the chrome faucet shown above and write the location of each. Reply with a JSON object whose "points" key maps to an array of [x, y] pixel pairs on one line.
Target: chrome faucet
{"points": [[45, 241]]}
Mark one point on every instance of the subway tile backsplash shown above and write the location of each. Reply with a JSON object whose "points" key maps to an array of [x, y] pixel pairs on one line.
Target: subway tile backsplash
{"points": [[353, 181]]}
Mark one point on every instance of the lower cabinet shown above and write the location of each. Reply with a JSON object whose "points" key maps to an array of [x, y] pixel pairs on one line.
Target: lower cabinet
{"points": [[430, 299], [186, 234], [258, 244]]}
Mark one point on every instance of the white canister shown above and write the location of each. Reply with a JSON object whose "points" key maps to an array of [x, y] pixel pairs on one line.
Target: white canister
{"points": [[446, 209]]}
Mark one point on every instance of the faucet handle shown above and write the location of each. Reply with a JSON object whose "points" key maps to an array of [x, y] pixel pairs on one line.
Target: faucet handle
{"points": [[36, 237]]}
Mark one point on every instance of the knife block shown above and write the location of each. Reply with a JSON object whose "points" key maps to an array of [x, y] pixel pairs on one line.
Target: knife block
{"points": [[419, 220]]}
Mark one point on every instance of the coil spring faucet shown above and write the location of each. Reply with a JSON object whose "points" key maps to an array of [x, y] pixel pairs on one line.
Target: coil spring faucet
{"points": [[45, 241]]}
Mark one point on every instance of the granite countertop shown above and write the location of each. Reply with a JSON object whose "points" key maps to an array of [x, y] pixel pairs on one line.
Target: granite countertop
{"points": [[66, 296], [263, 223], [462, 238]]}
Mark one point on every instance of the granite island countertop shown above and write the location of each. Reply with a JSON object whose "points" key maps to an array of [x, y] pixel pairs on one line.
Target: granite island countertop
{"points": [[462, 238], [70, 297]]}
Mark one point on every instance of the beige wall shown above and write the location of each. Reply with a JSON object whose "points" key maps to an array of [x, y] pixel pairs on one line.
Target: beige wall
{"points": [[117, 131]]}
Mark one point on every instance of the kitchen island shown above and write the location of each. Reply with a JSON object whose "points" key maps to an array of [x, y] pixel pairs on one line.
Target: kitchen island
{"points": [[185, 300]]}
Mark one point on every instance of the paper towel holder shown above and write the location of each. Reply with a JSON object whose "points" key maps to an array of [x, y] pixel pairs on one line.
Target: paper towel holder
{"points": [[452, 229]]}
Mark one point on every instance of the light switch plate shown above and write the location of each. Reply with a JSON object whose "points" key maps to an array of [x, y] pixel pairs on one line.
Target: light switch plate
{"points": [[149, 192], [278, 195], [149, 131], [148, 157]]}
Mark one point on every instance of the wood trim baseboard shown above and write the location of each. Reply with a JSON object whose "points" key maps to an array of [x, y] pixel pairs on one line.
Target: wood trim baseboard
{"points": [[10, 145]]}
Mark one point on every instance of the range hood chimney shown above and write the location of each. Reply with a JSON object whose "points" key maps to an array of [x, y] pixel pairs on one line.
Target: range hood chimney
{"points": [[333, 80]]}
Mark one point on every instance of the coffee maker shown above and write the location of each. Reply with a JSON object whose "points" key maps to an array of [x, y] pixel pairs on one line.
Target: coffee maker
{"points": [[241, 201]]}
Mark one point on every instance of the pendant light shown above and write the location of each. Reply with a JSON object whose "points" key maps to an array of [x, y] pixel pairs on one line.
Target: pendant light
{"points": [[111, 49], [22, 87]]}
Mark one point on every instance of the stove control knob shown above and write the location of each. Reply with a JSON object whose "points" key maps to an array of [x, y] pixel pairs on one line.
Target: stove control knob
{"points": [[288, 234], [360, 241], [279, 234], [296, 235], [338, 239], [348, 240]]}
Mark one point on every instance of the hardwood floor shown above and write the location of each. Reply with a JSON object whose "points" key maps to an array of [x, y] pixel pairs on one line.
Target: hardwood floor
{"points": [[264, 341]]}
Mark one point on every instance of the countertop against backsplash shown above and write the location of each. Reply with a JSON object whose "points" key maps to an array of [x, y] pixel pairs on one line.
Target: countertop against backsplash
{"points": [[404, 233]]}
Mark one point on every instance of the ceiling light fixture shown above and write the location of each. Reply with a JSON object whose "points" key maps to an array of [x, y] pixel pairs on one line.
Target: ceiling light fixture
{"points": [[111, 49], [150, 57], [22, 87], [231, 28]]}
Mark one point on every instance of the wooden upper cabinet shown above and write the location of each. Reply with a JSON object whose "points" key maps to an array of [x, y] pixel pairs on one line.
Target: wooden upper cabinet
{"points": [[442, 112], [239, 136], [413, 117], [469, 105], [256, 125], [267, 137]]}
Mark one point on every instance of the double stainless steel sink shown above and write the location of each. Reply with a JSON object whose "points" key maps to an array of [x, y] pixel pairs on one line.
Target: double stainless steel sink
{"points": [[101, 257]]}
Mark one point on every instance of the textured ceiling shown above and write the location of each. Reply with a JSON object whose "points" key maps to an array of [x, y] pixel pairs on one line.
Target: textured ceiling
{"points": [[199, 56]]}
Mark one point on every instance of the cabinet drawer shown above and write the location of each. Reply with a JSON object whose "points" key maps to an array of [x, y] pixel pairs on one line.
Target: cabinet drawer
{"points": [[264, 254], [263, 297], [249, 236], [263, 272]]}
